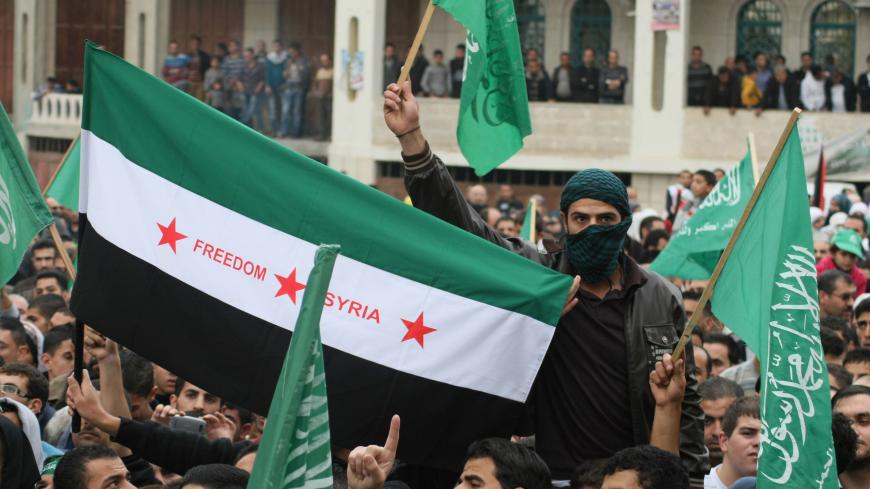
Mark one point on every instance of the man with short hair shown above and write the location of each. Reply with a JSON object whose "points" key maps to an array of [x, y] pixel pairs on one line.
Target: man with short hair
{"points": [[26, 385], [618, 321], [699, 76], [92, 468], [42, 255], [614, 77], [833, 346], [477, 197], [836, 294], [42, 309], [392, 65], [740, 439], [703, 364], [717, 395], [838, 378], [722, 349], [846, 250], [644, 467], [51, 281], [821, 250], [175, 67], [703, 182], [58, 353], [457, 71], [436, 77], [214, 476], [588, 78], [253, 84], [138, 380], [165, 382], [858, 224], [854, 403], [189, 398], [507, 227], [690, 302], [862, 323], [15, 345], [857, 362], [564, 79]]}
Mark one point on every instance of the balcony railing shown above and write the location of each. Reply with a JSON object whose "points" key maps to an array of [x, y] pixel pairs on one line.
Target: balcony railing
{"points": [[56, 115]]}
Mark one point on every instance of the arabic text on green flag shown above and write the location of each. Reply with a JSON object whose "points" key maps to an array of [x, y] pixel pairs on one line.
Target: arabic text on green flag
{"points": [[693, 251], [767, 295], [23, 212], [295, 451], [494, 107], [65, 187]]}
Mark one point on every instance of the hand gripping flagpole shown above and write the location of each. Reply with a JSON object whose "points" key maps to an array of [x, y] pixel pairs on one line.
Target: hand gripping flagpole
{"points": [[415, 46], [759, 187]]}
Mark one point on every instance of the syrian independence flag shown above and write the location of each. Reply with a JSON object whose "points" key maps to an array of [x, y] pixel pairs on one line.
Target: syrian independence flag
{"points": [[198, 238]]}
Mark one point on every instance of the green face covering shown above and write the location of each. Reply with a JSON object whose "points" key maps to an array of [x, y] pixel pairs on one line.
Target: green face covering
{"points": [[594, 252]]}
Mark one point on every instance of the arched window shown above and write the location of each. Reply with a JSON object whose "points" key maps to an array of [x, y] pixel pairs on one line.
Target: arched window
{"points": [[532, 24], [832, 36], [590, 28], [759, 29]]}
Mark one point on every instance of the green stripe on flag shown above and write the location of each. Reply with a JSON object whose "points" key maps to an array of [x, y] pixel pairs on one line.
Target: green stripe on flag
{"points": [[220, 159], [65, 187], [529, 225], [295, 451], [767, 294], [23, 212]]}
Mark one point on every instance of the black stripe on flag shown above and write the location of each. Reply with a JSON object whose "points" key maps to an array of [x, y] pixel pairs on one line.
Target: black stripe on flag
{"points": [[238, 357]]}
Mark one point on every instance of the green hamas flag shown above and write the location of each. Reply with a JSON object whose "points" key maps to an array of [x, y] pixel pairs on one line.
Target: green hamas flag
{"points": [[65, 187], [23, 212], [529, 224], [494, 109], [694, 250], [767, 295], [295, 451]]}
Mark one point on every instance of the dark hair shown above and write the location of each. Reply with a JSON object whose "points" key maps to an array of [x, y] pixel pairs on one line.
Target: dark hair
{"points": [[863, 306], [852, 390], [692, 295], [859, 219], [656, 468], [845, 441], [858, 355], [71, 472], [249, 50], [179, 385], [48, 304], [723, 339], [716, 388], [16, 330], [460, 46], [515, 465], [245, 415], [745, 406], [588, 473], [828, 280], [389, 44], [652, 239], [62, 280], [832, 344], [42, 245], [709, 358], [137, 374], [806, 53], [723, 70], [438, 52], [244, 452], [505, 218], [708, 176], [195, 37], [816, 70], [780, 57], [647, 222], [37, 384], [216, 476], [844, 378], [697, 48], [56, 336]]}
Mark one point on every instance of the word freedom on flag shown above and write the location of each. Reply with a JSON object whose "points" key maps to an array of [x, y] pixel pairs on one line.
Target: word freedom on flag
{"points": [[217, 253]]}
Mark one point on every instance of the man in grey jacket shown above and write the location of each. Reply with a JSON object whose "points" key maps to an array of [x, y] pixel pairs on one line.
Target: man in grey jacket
{"points": [[592, 396]]}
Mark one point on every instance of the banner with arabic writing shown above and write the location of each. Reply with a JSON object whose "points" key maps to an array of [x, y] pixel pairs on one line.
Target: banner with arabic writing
{"points": [[767, 294], [694, 250]]}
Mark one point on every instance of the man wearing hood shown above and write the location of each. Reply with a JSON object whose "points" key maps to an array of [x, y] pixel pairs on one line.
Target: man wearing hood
{"points": [[591, 398], [18, 469], [845, 252]]}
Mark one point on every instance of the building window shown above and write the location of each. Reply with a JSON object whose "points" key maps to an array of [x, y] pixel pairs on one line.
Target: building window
{"points": [[759, 29], [591, 22], [832, 36], [532, 24]]}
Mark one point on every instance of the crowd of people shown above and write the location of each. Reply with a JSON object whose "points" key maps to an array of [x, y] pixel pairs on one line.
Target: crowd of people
{"points": [[266, 90]]}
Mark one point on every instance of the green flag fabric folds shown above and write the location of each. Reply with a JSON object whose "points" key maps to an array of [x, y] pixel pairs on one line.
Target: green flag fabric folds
{"points": [[693, 251], [295, 451], [23, 213], [767, 295], [494, 107], [65, 187], [529, 224]]}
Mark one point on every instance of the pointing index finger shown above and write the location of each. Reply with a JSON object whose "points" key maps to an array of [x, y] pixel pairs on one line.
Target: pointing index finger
{"points": [[392, 443]]}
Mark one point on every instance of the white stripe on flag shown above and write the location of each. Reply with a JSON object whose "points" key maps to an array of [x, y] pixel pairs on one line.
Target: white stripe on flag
{"points": [[474, 345]]}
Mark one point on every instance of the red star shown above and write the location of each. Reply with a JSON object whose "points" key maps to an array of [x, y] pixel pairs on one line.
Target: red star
{"points": [[289, 286], [416, 330], [170, 235]]}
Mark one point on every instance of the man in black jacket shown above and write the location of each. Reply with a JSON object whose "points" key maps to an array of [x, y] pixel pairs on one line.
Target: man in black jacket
{"points": [[592, 397], [587, 78], [782, 93], [723, 92]]}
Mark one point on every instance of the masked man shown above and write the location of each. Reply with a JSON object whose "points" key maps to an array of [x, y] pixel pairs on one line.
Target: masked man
{"points": [[591, 398]]}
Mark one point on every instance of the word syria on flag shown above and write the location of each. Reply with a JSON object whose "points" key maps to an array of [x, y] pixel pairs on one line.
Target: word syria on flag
{"points": [[23, 212], [494, 106], [198, 239], [767, 294], [694, 250]]}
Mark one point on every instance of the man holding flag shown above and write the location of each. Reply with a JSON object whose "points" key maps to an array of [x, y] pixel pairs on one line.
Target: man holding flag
{"points": [[618, 321]]}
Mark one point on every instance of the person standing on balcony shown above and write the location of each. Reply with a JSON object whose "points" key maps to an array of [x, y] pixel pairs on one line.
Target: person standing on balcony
{"points": [[782, 92], [813, 89], [864, 88], [750, 95], [436, 78], [839, 93], [537, 82], [723, 92], [276, 61], [564, 80], [232, 67], [762, 71], [200, 61], [322, 92], [392, 65], [613, 80], [175, 67], [418, 70], [587, 78], [296, 76], [699, 78], [457, 71], [254, 83]]}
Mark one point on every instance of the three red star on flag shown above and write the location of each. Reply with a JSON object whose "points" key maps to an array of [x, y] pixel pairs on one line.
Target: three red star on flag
{"points": [[289, 286], [170, 235], [417, 330]]}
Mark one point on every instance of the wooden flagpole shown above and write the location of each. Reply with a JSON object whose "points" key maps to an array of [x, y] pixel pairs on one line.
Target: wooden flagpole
{"points": [[753, 155], [759, 187], [52, 228], [415, 46]]}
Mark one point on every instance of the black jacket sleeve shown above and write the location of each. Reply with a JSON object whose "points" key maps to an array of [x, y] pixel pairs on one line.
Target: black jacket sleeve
{"points": [[176, 451], [693, 450]]}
